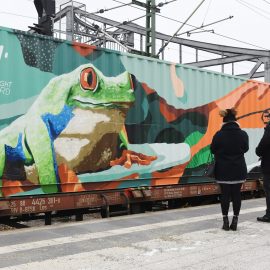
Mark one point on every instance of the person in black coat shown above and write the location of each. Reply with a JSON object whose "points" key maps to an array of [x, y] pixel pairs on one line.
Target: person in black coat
{"points": [[263, 151], [229, 145]]}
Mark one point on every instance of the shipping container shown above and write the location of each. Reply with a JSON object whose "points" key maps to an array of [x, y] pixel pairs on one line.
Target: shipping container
{"points": [[77, 118]]}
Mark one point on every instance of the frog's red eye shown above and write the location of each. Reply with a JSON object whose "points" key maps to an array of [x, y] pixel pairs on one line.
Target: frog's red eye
{"points": [[89, 79]]}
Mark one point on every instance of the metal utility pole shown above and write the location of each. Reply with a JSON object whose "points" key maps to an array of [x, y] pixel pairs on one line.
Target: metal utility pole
{"points": [[150, 36], [267, 70], [150, 41]]}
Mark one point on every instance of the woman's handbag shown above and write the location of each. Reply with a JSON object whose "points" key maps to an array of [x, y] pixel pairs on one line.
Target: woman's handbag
{"points": [[210, 166]]}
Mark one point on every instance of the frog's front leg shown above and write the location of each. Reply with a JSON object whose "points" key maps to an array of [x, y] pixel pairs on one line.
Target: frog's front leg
{"points": [[130, 157], [41, 148]]}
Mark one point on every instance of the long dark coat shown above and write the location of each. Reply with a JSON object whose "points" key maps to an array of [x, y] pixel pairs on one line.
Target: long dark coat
{"points": [[263, 150], [229, 145]]}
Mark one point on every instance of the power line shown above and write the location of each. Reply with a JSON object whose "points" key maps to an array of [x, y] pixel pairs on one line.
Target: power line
{"points": [[255, 7], [199, 32], [183, 24], [206, 12], [130, 5], [266, 2], [240, 41], [18, 15], [168, 18], [189, 31], [249, 7], [174, 20], [125, 22], [161, 4], [108, 9]]}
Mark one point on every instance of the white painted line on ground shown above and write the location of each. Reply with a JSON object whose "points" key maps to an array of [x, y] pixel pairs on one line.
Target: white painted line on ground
{"points": [[245, 249], [134, 216], [120, 231]]}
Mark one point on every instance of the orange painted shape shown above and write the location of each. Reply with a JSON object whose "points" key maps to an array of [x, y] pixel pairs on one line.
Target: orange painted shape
{"points": [[178, 85], [169, 112], [169, 177], [83, 49], [253, 101], [69, 180], [11, 187], [230, 100], [174, 171], [147, 89], [165, 181], [130, 177]]}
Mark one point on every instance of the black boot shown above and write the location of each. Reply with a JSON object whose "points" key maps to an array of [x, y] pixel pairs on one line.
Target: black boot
{"points": [[264, 218], [233, 225], [225, 223]]}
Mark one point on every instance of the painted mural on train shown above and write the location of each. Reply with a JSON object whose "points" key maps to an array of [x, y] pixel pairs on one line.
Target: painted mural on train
{"points": [[77, 118]]}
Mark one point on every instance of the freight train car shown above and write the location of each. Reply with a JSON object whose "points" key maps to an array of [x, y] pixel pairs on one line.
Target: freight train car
{"points": [[82, 126]]}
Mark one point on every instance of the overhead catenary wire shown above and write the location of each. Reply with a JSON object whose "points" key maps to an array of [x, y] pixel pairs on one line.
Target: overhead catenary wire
{"points": [[165, 17], [200, 27], [235, 39], [199, 32], [126, 22], [168, 41], [161, 4], [253, 8], [215, 33], [112, 8], [206, 12], [15, 14], [160, 16]]}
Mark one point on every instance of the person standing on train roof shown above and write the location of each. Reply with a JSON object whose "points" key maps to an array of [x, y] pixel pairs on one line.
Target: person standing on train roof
{"points": [[263, 151], [229, 145]]}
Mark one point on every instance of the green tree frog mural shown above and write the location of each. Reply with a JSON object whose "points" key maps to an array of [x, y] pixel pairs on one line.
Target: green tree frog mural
{"points": [[77, 120], [87, 131]]}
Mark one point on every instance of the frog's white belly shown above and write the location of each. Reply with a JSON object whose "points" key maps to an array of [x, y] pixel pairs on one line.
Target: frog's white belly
{"points": [[76, 135], [85, 145]]}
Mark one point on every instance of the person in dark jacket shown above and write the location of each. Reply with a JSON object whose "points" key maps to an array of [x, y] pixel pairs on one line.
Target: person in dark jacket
{"points": [[263, 151], [228, 146]]}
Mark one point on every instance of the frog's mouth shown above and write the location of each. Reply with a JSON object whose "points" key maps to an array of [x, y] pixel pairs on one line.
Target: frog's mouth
{"points": [[88, 102]]}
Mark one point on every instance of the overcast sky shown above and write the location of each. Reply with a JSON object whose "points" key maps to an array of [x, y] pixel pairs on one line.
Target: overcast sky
{"points": [[250, 24]]}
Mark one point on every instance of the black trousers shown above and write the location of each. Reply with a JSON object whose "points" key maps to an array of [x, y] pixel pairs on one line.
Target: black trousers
{"points": [[230, 192], [266, 187]]}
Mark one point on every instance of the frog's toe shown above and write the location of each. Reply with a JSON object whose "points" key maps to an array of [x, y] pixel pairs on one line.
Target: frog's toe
{"points": [[131, 157]]}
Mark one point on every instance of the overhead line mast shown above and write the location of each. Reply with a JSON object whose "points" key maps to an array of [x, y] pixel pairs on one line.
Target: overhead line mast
{"points": [[150, 36]]}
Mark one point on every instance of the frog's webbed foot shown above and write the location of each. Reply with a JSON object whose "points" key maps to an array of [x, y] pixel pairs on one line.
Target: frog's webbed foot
{"points": [[131, 157]]}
